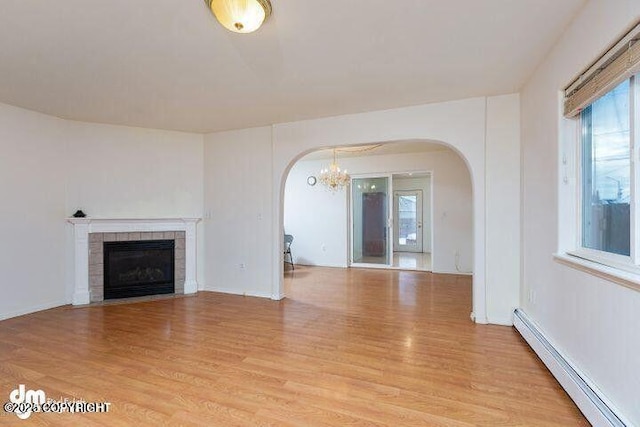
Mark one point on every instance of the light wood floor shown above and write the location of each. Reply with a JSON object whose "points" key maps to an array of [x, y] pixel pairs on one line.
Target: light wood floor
{"points": [[350, 347], [412, 261], [400, 261]]}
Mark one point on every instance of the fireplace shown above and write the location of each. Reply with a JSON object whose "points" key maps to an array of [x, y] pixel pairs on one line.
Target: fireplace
{"points": [[90, 234], [138, 268]]}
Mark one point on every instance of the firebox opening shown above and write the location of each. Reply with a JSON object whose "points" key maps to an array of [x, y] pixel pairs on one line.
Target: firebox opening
{"points": [[139, 268]]}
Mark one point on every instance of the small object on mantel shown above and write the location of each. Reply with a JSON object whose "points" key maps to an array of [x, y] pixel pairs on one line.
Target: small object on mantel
{"points": [[79, 214]]}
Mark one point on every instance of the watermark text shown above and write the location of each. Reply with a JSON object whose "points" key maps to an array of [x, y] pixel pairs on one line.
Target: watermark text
{"points": [[23, 403]]}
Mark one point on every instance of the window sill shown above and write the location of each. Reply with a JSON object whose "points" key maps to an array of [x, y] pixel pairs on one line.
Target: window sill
{"points": [[612, 274]]}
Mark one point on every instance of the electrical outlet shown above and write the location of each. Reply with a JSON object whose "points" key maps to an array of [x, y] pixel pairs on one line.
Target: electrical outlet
{"points": [[324, 248], [242, 266]]}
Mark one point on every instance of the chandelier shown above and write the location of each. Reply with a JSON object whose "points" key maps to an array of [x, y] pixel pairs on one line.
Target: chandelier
{"points": [[240, 16], [333, 177]]}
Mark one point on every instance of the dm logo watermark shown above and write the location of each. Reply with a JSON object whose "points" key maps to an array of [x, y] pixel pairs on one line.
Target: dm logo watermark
{"points": [[23, 403], [25, 400]]}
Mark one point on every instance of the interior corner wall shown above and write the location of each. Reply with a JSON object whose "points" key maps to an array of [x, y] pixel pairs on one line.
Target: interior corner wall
{"points": [[50, 167], [33, 165], [128, 172], [592, 321], [239, 212]]}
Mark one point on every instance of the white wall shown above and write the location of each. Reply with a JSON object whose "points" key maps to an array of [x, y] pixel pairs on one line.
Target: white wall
{"points": [[317, 217], [243, 174], [127, 172], [51, 167], [238, 212], [32, 173], [592, 321], [117, 171], [503, 206], [459, 124], [250, 155], [424, 184]]}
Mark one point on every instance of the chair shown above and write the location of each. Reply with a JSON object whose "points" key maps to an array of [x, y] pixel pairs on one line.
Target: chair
{"points": [[288, 239]]}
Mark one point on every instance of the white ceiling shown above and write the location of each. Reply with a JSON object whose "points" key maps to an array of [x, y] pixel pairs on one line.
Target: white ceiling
{"points": [[168, 64]]}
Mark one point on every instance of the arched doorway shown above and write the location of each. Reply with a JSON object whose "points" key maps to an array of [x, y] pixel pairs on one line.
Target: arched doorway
{"points": [[450, 250], [386, 218]]}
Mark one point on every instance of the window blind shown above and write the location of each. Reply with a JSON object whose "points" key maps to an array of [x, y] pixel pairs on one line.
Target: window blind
{"points": [[616, 65]]}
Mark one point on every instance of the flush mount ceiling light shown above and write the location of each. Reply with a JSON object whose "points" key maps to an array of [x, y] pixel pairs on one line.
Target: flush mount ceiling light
{"points": [[240, 16]]}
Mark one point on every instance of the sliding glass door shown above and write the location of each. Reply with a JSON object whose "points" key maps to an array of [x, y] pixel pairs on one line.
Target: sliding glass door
{"points": [[370, 220]]}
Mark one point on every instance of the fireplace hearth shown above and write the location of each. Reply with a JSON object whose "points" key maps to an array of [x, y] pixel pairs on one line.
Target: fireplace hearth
{"points": [[138, 268]]}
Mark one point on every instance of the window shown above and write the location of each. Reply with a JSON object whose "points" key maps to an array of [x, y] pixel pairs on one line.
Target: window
{"points": [[603, 107], [606, 172]]}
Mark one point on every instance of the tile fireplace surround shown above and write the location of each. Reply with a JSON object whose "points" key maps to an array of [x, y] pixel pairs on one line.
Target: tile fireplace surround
{"points": [[93, 231]]}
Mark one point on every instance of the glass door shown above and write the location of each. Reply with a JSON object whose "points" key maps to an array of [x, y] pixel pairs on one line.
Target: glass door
{"points": [[407, 221], [370, 220]]}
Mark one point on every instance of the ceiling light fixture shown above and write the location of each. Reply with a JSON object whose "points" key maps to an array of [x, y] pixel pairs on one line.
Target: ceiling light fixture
{"points": [[240, 16], [333, 177]]}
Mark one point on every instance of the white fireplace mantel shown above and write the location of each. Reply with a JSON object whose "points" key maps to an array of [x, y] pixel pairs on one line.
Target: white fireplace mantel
{"points": [[82, 227]]}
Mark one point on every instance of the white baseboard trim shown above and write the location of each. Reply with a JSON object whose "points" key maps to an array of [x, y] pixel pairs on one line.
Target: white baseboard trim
{"points": [[479, 320], [501, 321], [231, 291], [595, 407], [32, 309], [277, 297], [330, 265], [457, 273]]}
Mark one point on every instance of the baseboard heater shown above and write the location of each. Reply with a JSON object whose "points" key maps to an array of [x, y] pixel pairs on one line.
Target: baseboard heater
{"points": [[592, 405]]}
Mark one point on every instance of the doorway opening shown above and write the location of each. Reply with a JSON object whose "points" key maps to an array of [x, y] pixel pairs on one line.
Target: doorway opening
{"points": [[408, 206]]}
